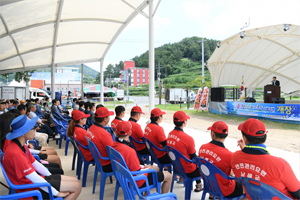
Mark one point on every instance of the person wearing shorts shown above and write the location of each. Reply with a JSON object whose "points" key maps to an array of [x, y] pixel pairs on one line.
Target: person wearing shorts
{"points": [[21, 167]]}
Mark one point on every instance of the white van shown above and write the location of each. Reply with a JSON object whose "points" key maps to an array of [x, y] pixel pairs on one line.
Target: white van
{"points": [[38, 93]]}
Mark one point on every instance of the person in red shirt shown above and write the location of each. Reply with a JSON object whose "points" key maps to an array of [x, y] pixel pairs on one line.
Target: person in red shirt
{"points": [[120, 113], [77, 130], [123, 131], [216, 153], [21, 167], [137, 132], [254, 161], [185, 144], [156, 135], [100, 137]]}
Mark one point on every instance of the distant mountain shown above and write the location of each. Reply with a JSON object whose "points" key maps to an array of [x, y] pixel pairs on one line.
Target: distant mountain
{"points": [[86, 70]]}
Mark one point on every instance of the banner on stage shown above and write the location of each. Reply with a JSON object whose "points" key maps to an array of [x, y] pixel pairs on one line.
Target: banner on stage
{"points": [[266, 110]]}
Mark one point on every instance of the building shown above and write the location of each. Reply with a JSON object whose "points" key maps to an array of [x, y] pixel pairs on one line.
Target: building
{"points": [[136, 76]]}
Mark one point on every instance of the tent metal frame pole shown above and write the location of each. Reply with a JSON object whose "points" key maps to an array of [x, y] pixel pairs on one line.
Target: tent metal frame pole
{"points": [[58, 16], [151, 58], [101, 81], [81, 83]]}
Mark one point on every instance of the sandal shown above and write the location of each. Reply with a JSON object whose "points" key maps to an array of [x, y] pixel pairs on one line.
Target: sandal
{"points": [[198, 188]]}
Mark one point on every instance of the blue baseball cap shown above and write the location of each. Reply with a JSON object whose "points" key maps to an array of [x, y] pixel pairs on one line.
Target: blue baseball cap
{"points": [[20, 126]]}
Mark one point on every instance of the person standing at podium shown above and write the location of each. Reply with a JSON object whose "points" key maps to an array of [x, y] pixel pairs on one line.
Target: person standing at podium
{"points": [[275, 82]]}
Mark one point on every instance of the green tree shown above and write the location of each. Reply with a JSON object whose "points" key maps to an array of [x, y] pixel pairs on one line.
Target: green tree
{"points": [[19, 76]]}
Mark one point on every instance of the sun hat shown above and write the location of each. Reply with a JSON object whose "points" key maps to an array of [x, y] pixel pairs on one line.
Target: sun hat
{"points": [[22, 101], [156, 112], [123, 128], [180, 116], [20, 126], [252, 126], [103, 112], [137, 109], [77, 115], [219, 127]]}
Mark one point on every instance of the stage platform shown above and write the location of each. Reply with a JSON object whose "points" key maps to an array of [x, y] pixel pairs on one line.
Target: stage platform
{"points": [[287, 113]]}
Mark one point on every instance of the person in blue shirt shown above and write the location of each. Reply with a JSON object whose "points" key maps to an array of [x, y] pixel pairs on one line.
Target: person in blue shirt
{"points": [[38, 111], [14, 105], [74, 102]]}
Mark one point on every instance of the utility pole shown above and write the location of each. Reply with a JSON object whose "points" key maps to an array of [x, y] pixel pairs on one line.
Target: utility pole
{"points": [[158, 77], [202, 41], [109, 80]]}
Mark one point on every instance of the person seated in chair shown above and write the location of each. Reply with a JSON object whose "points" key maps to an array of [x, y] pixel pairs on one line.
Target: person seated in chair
{"points": [[185, 144], [156, 135], [77, 130], [38, 111], [216, 153], [137, 132], [21, 167], [100, 137], [81, 106], [254, 161], [14, 104], [123, 131], [90, 109], [120, 114]]}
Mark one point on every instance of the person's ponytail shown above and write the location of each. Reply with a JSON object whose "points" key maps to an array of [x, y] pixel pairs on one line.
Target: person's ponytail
{"points": [[71, 127]]}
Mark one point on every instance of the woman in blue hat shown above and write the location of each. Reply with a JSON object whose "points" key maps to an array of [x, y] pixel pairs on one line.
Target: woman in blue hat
{"points": [[21, 167]]}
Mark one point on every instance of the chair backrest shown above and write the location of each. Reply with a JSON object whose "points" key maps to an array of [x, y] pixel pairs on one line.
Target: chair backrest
{"points": [[109, 129], [208, 172], [89, 122], [258, 190], [76, 145], [150, 146], [131, 139], [115, 155], [176, 157], [96, 154], [126, 181]]}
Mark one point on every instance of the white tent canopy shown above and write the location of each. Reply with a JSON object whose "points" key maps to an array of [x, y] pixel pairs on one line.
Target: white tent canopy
{"points": [[38, 34], [261, 54]]}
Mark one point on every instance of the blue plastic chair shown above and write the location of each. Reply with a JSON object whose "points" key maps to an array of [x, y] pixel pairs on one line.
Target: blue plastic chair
{"points": [[81, 160], [33, 193], [129, 186], [154, 158], [60, 130], [89, 122], [13, 187], [96, 154], [115, 155], [176, 157], [211, 186], [110, 130], [258, 190], [75, 153], [143, 157]]}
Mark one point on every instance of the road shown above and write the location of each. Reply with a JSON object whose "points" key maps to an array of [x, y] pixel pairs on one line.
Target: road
{"points": [[142, 101]]}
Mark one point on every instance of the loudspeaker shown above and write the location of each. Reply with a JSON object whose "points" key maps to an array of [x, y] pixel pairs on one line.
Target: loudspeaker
{"points": [[278, 100], [250, 99], [217, 94]]}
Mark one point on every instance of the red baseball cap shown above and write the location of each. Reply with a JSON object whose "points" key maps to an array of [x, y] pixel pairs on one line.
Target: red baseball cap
{"points": [[219, 127], [180, 116], [252, 126], [156, 112], [123, 128], [77, 115], [103, 112], [137, 109]]}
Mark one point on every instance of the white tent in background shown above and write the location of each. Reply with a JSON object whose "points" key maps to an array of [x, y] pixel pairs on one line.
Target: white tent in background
{"points": [[258, 55]]}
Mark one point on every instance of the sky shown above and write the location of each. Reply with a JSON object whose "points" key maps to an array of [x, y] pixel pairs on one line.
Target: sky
{"points": [[212, 19]]}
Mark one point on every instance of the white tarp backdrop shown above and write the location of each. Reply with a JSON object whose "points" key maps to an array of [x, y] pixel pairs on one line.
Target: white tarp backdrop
{"points": [[37, 34], [261, 54]]}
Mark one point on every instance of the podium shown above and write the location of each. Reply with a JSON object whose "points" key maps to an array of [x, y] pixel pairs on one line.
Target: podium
{"points": [[271, 91]]}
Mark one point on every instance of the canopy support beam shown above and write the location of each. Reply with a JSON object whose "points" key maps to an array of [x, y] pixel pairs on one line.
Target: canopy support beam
{"points": [[81, 83], [101, 82], [58, 16], [151, 58], [13, 40]]}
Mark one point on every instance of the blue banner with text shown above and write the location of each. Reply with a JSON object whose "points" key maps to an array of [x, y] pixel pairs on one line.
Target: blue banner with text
{"points": [[266, 110]]}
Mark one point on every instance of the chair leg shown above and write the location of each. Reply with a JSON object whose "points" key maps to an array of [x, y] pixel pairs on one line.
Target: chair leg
{"points": [[67, 146], [84, 174], [95, 179], [110, 178], [116, 190], [79, 166], [60, 140], [172, 184], [203, 195], [102, 185], [188, 189], [74, 159]]}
